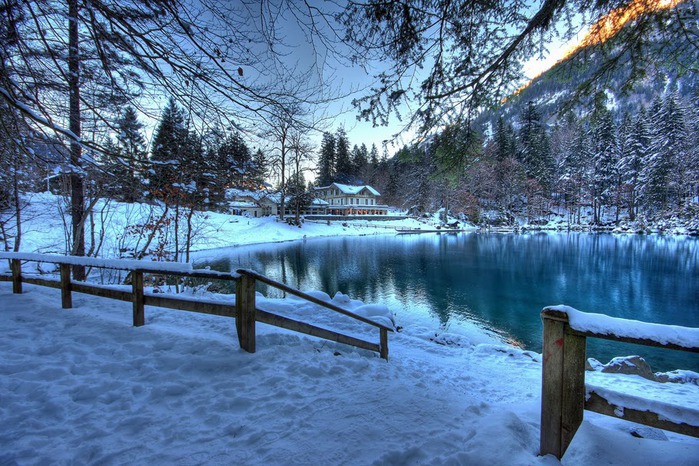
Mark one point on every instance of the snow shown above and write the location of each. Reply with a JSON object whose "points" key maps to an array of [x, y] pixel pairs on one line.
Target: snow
{"points": [[351, 189], [667, 411], [82, 386], [97, 262], [627, 328]]}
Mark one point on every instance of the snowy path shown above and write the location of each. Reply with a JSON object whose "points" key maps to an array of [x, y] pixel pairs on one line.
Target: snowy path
{"points": [[83, 386]]}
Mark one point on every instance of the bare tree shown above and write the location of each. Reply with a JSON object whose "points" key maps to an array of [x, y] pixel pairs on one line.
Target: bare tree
{"points": [[301, 151], [64, 63]]}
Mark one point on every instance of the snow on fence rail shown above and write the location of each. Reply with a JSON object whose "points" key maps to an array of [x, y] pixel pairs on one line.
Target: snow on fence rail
{"points": [[564, 395], [244, 311]]}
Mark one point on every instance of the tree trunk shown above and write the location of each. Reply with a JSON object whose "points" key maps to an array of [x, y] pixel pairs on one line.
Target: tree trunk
{"points": [[18, 209], [77, 210]]}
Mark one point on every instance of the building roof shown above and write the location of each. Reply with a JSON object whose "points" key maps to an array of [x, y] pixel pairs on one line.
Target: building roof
{"points": [[351, 189]]}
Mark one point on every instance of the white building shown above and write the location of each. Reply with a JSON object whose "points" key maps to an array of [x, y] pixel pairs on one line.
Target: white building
{"points": [[346, 199]]}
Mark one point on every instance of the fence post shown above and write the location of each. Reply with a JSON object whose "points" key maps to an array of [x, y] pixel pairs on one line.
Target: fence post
{"points": [[66, 296], [138, 303], [16, 267], [383, 345], [245, 312], [562, 385]]}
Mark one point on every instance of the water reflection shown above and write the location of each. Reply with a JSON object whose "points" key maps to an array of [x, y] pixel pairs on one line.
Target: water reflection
{"points": [[502, 280]]}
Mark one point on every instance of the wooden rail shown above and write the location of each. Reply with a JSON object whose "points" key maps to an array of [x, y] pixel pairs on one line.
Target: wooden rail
{"points": [[563, 392], [244, 311], [381, 347]]}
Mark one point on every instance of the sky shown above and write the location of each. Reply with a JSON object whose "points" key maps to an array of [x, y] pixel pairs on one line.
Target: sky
{"points": [[303, 51]]}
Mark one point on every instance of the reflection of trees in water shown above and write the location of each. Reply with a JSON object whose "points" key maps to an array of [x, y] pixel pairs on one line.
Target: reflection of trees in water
{"points": [[505, 279]]}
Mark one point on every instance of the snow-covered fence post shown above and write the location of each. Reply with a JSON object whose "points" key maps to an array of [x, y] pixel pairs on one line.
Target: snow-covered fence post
{"points": [[563, 383], [139, 317], [66, 288], [16, 267], [245, 311]]}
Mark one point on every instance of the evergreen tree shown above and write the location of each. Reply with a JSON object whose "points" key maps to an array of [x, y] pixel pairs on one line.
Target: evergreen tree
{"points": [[343, 159], [131, 156], [235, 162], [507, 171], [663, 174], [260, 169], [535, 152], [168, 146], [505, 141], [360, 163], [604, 158], [636, 141], [575, 171], [326, 160]]}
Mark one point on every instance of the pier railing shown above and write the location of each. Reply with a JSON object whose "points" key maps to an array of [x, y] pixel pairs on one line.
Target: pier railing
{"points": [[245, 311], [564, 395]]}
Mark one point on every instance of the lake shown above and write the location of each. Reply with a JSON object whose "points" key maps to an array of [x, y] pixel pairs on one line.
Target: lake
{"points": [[499, 281]]}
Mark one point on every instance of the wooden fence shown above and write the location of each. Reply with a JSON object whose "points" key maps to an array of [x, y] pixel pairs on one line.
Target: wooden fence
{"points": [[245, 311], [563, 392]]}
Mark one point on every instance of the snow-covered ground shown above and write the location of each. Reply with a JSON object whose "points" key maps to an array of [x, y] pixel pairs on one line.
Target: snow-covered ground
{"points": [[83, 386], [43, 230]]}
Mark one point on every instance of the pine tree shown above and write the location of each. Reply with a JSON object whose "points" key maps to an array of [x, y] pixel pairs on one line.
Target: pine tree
{"points": [[506, 170], [326, 160], [535, 152], [505, 142], [360, 163], [636, 136], [663, 173], [131, 155], [167, 151], [575, 171], [343, 159], [604, 158], [235, 162], [260, 169]]}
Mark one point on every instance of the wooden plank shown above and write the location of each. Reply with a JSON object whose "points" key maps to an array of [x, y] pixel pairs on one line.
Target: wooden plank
{"points": [[16, 267], [41, 282], [245, 312], [638, 341], [139, 316], [218, 309], [5, 278], [66, 296], [384, 343], [573, 389], [308, 329], [552, 389], [95, 290], [598, 404], [307, 297]]}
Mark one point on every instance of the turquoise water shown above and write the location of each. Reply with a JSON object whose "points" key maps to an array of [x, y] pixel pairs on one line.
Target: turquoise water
{"points": [[500, 281]]}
